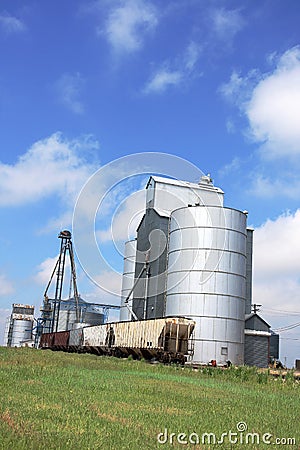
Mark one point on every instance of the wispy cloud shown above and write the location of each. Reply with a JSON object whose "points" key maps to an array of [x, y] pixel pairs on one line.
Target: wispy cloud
{"points": [[11, 24], [285, 184], [163, 79], [6, 286], [175, 73], [238, 90], [230, 167], [128, 23], [44, 270], [69, 88], [191, 55], [226, 23], [51, 166], [126, 219], [109, 283]]}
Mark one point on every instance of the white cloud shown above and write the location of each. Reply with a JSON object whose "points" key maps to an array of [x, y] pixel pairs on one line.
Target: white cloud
{"points": [[238, 90], [69, 89], [60, 222], [276, 280], [230, 126], [277, 248], [271, 103], [163, 79], [226, 23], [175, 73], [287, 185], [107, 291], [11, 24], [233, 87], [51, 166], [6, 286], [274, 109], [44, 271], [126, 219], [128, 23], [230, 167], [192, 55]]}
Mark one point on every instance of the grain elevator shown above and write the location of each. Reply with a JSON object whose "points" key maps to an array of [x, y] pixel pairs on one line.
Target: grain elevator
{"points": [[191, 257]]}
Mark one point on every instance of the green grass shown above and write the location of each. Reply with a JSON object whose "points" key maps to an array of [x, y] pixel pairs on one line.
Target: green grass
{"points": [[54, 400]]}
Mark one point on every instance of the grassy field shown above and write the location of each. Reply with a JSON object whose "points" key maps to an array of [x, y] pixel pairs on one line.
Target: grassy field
{"points": [[53, 400]]}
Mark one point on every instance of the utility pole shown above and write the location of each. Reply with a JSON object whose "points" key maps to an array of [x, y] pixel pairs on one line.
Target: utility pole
{"points": [[256, 308]]}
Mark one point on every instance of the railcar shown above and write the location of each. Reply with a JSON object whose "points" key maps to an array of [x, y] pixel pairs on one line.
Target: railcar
{"points": [[168, 339]]}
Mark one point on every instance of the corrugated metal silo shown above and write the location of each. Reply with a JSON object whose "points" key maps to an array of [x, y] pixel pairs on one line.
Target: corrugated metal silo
{"points": [[128, 278], [207, 279], [21, 331], [67, 316]]}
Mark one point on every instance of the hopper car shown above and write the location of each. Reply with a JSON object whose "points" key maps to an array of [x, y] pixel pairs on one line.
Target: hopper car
{"points": [[167, 339]]}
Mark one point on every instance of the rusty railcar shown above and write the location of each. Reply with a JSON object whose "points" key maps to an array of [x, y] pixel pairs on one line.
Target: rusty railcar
{"points": [[55, 341], [46, 340]]}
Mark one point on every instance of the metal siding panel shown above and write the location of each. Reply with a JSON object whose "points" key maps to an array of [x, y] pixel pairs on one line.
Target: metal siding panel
{"points": [[257, 351], [274, 345]]}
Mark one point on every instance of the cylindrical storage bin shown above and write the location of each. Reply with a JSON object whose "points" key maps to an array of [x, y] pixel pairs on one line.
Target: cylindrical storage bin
{"points": [[67, 316], [207, 279], [128, 278], [22, 330]]}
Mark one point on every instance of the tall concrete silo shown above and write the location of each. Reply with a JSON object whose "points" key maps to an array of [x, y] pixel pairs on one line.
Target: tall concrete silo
{"points": [[128, 278], [206, 279]]}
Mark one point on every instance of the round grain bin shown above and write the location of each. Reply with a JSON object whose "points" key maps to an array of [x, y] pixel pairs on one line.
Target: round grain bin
{"points": [[128, 278], [67, 315], [22, 330], [206, 279]]}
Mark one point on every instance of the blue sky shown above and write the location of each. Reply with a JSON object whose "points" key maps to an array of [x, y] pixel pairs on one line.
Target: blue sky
{"points": [[85, 82]]}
